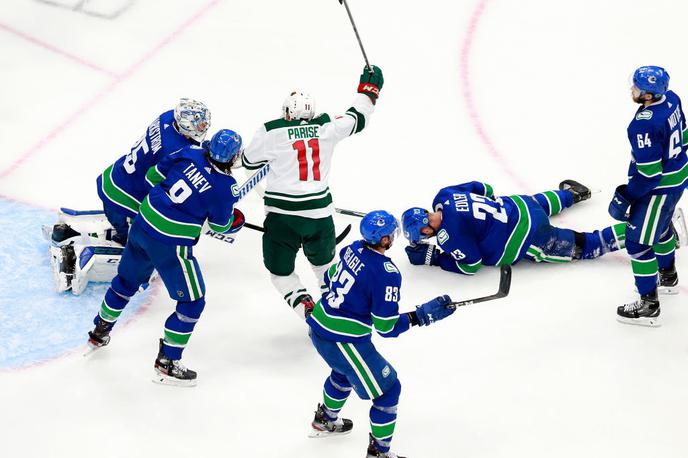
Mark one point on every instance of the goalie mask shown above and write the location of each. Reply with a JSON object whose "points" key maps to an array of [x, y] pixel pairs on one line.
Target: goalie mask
{"points": [[192, 118], [298, 105]]}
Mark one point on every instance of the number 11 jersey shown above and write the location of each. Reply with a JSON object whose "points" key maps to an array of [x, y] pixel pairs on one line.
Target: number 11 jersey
{"points": [[300, 156]]}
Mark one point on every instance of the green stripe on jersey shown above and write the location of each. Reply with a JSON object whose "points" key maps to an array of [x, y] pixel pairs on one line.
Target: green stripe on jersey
{"points": [[153, 175], [518, 234], [671, 179], [361, 369], [309, 204], [167, 226], [359, 125], [469, 269], [384, 325], [489, 192], [219, 228], [281, 122], [116, 194], [339, 325], [650, 169]]}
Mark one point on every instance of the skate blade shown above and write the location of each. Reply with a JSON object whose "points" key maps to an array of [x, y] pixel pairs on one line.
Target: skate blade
{"points": [[163, 379], [667, 290], [90, 349], [318, 434], [645, 321]]}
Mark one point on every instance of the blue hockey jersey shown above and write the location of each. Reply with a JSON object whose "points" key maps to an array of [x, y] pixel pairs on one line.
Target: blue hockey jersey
{"points": [[478, 228], [187, 190], [364, 293], [659, 164], [123, 183]]}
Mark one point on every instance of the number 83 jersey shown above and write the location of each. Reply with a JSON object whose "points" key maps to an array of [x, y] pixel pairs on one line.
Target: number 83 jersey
{"points": [[478, 229], [300, 156], [364, 292]]}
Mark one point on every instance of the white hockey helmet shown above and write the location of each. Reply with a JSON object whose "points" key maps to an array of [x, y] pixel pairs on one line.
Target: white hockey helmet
{"points": [[299, 105], [193, 118]]}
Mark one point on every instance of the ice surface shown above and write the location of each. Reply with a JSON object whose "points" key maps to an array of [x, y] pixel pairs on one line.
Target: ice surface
{"points": [[519, 94]]}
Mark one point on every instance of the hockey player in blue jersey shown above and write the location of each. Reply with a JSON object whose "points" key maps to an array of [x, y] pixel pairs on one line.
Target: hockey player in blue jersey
{"points": [[364, 293], [190, 186], [657, 176], [122, 186], [474, 228]]}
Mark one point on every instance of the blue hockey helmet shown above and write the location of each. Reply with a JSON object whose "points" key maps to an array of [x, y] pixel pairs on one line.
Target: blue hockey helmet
{"points": [[651, 79], [413, 220], [224, 146], [378, 224]]}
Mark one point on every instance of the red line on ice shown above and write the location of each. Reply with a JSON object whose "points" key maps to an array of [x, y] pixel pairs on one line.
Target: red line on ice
{"points": [[56, 50], [71, 119], [480, 128]]}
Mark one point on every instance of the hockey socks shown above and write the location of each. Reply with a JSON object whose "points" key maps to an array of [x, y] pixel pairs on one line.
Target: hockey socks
{"points": [[112, 306], [591, 245], [665, 249], [645, 267], [335, 393], [179, 326], [383, 417], [553, 202]]}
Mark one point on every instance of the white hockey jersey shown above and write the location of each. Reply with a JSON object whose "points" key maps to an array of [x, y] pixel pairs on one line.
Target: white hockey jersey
{"points": [[300, 156]]}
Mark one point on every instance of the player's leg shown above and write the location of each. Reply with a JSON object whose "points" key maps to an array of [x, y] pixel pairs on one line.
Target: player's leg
{"points": [[119, 221], [383, 419], [134, 269], [181, 274], [319, 246], [553, 202], [647, 215], [327, 421], [281, 243], [665, 251]]}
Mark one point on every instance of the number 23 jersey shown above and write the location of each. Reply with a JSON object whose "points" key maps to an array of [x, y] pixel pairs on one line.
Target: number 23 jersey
{"points": [[300, 156]]}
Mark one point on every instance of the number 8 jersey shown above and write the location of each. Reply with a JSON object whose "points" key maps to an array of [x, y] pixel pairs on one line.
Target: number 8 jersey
{"points": [[364, 292], [300, 156]]}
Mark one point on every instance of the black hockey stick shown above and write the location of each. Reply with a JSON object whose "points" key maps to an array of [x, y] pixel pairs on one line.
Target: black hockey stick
{"points": [[504, 287], [337, 239], [344, 211], [358, 37]]}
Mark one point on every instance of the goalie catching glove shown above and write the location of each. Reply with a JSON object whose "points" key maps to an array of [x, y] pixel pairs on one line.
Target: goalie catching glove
{"points": [[370, 84]]}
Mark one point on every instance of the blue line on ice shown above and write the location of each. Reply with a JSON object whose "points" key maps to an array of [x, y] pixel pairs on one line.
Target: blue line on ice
{"points": [[36, 323]]}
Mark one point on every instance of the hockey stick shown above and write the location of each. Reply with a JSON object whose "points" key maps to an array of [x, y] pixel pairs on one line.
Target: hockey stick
{"points": [[337, 239], [358, 37], [504, 287], [344, 211]]}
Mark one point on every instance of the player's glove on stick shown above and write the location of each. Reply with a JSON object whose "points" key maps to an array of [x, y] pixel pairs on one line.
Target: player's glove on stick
{"points": [[423, 254], [238, 221], [434, 310], [371, 83], [619, 204]]}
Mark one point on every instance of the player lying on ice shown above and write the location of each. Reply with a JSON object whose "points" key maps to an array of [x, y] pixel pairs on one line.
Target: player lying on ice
{"points": [[475, 228], [364, 293]]}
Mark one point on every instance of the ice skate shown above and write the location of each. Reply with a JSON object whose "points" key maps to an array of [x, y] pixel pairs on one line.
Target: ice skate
{"points": [[172, 371], [373, 451], [324, 427], [668, 281], [580, 192], [99, 337], [643, 312]]}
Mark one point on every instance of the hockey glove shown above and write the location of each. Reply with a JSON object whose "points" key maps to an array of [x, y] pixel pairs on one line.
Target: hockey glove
{"points": [[618, 207], [434, 310], [423, 254], [371, 83], [238, 221]]}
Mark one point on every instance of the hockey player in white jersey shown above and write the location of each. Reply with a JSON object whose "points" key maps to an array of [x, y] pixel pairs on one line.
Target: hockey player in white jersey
{"points": [[298, 147]]}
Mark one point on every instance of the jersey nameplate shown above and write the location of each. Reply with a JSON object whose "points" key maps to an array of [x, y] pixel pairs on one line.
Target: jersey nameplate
{"points": [[296, 133]]}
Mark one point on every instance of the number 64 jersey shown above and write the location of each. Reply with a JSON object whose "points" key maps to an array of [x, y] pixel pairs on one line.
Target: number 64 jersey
{"points": [[300, 156], [363, 296]]}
